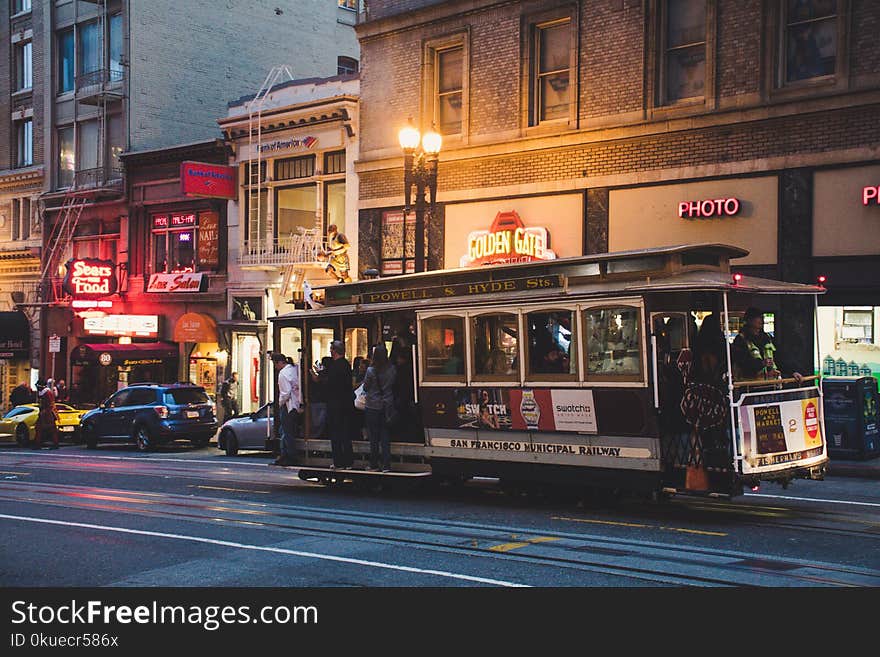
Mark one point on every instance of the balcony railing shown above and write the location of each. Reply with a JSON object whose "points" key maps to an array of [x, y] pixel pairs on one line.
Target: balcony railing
{"points": [[104, 82], [104, 177], [302, 248]]}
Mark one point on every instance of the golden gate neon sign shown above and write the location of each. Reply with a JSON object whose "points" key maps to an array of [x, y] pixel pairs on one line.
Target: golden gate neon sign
{"points": [[507, 240]]}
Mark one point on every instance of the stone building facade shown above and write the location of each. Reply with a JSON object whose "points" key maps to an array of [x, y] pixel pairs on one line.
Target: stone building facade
{"points": [[597, 119]]}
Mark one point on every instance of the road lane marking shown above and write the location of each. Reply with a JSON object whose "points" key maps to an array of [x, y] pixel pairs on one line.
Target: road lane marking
{"points": [[266, 548], [600, 522], [814, 499], [11, 472], [507, 547], [157, 459], [234, 490], [701, 532]]}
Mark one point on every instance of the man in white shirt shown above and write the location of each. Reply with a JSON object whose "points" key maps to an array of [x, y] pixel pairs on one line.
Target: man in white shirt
{"points": [[289, 405]]}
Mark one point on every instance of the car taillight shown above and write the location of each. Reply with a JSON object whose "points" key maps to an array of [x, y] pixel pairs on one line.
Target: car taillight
{"points": [[161, 411]]}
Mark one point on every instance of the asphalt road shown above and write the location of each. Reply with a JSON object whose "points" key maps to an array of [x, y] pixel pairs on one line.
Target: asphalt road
{"points": [[186, 517]]}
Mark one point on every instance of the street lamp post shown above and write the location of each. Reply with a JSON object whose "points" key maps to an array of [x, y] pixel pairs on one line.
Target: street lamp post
{"points": [[420, 156]]}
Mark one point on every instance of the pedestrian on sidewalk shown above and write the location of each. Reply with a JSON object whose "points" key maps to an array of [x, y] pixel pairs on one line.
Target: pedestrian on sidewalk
{"points": [[378, 384], [47, 420], [289, 405], [340, 406], [229, 396], [21, 394]]}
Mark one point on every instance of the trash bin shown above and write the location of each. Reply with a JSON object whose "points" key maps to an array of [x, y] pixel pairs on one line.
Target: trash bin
{"points": [[852, 418]]}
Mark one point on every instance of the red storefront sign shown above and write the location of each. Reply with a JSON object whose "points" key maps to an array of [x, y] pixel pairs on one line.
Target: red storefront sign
{"points": [[871, 194], [90, 278], [208, 180]]}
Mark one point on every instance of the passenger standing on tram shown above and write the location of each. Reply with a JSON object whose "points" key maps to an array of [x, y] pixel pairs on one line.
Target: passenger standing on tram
{"points": [[404, 397], [753, 353], [340, 406], [289, 405], [379, 385]]}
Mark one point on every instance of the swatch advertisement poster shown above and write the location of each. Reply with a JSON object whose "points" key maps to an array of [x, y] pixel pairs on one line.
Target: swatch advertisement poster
{"points": [[553, 410]]}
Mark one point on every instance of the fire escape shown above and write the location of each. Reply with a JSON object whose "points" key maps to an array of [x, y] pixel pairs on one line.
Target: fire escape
{"points": [[100, 88]]}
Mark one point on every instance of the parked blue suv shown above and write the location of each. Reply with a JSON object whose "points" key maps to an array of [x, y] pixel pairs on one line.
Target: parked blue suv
{"points": [[150, 414]]}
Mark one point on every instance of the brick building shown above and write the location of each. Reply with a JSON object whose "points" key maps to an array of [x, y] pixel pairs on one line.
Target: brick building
{"points": [[609, 123], [147, 78]]}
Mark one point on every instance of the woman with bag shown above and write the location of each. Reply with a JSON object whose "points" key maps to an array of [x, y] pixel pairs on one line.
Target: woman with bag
{"points": [[378, 385]]}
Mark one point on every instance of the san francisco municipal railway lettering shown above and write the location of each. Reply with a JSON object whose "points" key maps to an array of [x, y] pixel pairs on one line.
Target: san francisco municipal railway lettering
{"points": [[464, 289], [540, 448]]}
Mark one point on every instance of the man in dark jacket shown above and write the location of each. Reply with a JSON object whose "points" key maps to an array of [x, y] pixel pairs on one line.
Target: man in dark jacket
{"points": [[340, 406], [753, 353]]}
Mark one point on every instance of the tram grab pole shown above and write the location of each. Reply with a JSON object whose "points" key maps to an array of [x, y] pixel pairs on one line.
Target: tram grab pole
{"points": [[737, 453]]}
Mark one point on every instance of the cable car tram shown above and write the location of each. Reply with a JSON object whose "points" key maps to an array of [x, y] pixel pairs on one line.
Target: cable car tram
{"points": [[570, 371]]}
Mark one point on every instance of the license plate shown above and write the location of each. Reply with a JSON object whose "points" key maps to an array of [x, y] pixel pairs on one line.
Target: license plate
{"points": [[191, 414], [65, 428]]}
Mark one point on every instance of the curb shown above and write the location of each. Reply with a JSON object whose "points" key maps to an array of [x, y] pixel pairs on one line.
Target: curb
{"points": [[865, 471]]}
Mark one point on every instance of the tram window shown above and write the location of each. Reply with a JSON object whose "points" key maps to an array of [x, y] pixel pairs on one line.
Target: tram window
{"points": [[671, 331], [321, 339], [291, 342], [443, 347], [551, 345], [614, 345], [495, 342], [356, 343]]}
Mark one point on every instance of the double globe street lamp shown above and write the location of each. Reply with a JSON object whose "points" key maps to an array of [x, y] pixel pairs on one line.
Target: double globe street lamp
{"points": [[420, 155]]}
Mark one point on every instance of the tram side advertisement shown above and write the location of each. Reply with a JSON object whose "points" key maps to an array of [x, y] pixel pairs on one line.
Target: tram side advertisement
{"points": [[519, 409], [781, 432]]}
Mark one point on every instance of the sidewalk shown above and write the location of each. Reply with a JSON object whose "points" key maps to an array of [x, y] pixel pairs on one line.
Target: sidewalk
{"points": [[869, 469]]}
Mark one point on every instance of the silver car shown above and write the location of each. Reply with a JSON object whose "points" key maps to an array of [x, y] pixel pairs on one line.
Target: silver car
{"points": [[246, 432]]}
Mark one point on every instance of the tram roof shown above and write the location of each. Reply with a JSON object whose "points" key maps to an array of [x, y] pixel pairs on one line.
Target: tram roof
{"points": [[699, 280]]}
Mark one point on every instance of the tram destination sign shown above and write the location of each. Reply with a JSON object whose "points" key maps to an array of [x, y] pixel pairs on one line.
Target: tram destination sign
{"points": [[464, 289]]}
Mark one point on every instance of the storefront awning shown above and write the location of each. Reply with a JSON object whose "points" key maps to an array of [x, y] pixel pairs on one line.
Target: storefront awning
{"points": [[15, 335], [195, 327], [123, 355]]}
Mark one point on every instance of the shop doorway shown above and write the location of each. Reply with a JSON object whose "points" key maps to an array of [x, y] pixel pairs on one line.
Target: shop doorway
{"points": [[247, 364]]}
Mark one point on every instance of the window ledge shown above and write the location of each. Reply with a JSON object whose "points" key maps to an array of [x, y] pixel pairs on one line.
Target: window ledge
{"points": [[21, 14], [811, 86], [23, 92], [557, 126]]}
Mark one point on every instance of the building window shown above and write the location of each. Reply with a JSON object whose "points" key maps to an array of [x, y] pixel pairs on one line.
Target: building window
{"points": [[24, 66], [683, 57], [24, 140], [295, 167], [20, 6], [251, 177], [334, 162], [115, 140], [810, 39], [448, 89], [21, 218], [551, 71], [87, 146], [65, 60], [175, 239], [334, 205], [91, 47], [295, 207], [66, 158], [348, 4], [115, 51], [257, 214], [394, 234], [346, 65]]}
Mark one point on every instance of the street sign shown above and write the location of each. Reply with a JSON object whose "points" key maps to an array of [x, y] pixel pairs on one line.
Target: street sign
{"points": [[54, 344]]}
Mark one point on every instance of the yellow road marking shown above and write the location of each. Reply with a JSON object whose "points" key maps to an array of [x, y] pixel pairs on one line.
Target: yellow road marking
{"points": [[599, 522], [702, 532], [234, 490], [642, 526], [507, 547]]}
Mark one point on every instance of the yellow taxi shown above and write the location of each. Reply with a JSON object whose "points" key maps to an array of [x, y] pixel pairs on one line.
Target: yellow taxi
{"points": [[20, 423]]}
